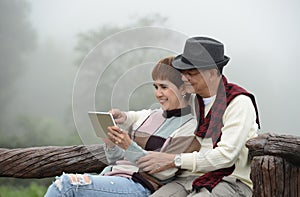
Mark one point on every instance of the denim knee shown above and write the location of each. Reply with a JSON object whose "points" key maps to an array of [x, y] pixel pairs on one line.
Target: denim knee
{"points": [[67, 183]]}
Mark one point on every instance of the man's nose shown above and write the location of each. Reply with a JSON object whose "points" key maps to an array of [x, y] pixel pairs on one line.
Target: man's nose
{"points": [[185, 77]]}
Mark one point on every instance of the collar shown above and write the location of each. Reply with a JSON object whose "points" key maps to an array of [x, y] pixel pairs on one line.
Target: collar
{"points": [[207, 101], [177, 112]]}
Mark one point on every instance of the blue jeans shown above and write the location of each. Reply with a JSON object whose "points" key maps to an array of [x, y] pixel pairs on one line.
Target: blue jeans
{"points": [[95, 185]]}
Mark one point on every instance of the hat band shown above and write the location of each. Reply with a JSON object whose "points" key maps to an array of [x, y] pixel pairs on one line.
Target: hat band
{"points": [[203, 63], [183, 59]]}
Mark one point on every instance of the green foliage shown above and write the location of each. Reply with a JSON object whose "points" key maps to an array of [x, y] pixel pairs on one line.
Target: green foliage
{"points": [[37, 131], [33, 190]]}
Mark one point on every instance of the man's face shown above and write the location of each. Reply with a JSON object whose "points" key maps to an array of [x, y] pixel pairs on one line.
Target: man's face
{"points": [[196, 81]]}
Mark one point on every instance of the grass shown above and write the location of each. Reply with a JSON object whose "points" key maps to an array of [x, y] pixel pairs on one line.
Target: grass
{"points": [[33, 190]]}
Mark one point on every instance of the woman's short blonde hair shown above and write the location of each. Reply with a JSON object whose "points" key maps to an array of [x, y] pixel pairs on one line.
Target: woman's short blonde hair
{"points": [[164, 70]]}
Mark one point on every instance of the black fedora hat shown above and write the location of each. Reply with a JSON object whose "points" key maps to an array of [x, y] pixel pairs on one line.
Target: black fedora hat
{"points": [[201, 53]]}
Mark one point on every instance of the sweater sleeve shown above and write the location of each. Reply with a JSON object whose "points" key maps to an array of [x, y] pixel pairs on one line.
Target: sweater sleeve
{"points": [[113, 154], [239, 125], [135, 119], [134, 152]]}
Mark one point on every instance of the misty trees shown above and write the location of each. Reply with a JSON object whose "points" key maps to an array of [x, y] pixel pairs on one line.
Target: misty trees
{"points": [[88, 40], [17, 38], [125, 81], [122, 63], [114, 69]]}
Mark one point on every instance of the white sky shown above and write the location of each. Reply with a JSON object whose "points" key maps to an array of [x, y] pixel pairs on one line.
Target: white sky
{"points": [[261, 37], [225, 19]]}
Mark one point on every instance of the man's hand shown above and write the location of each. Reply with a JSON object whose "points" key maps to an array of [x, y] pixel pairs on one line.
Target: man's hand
{"points": [[155, 162]]}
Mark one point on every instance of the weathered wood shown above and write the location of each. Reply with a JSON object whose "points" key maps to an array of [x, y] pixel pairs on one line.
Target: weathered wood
{"points": [[49, 161], [275, 167], [256, 175], [285, 146], [274, 176]]}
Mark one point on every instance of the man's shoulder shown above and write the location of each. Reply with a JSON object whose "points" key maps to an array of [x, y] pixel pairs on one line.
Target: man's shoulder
{"points": [[242, 99]]}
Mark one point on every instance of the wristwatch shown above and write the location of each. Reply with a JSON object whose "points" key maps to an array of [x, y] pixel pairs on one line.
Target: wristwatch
{"points": [[177, 161]]}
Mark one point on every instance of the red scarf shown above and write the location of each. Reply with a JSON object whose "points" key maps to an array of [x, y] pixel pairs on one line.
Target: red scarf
{"points": [[210, 127]]}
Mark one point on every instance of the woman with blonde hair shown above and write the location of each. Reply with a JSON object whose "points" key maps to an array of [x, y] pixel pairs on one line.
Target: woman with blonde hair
{"points": [[168, 129]]}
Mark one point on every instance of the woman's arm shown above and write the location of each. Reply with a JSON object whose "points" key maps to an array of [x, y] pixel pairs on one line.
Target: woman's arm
{"points": [[113, 154], [132, 151]]}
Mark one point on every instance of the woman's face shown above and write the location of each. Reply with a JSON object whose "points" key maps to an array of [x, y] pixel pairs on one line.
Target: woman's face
{"points": [[168, 95]]}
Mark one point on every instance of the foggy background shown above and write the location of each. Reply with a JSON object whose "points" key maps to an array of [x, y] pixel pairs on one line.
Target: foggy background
{"points": [[43, 42]]}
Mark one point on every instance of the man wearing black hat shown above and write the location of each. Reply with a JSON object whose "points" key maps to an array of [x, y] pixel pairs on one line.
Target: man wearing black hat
{"points": [[227, 118]]}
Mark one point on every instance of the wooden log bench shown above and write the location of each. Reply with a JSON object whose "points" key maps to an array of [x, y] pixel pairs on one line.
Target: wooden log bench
{"points": [[275, 166], [274, 169], [50, 161]]}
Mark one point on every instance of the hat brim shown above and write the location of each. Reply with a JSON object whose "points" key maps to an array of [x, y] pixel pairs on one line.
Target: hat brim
{"points": [[180, 65]]}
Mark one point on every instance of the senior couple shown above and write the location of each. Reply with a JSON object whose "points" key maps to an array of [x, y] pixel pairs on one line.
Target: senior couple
{"points": [[194, 145]]}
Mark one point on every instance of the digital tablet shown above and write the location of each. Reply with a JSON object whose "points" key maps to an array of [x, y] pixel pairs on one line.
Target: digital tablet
{"points": [[100, 122]]}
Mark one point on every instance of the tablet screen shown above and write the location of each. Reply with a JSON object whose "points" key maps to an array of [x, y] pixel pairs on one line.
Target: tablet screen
{"points": [[100, 122]]}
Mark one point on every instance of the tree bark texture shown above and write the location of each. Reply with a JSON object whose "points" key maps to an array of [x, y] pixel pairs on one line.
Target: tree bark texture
{"points": [[275, 167], [285, 146], [49, 161]]}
